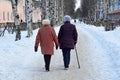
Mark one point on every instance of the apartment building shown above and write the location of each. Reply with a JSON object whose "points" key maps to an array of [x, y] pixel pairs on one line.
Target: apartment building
{"points": [[114, 10], [6, 14]]}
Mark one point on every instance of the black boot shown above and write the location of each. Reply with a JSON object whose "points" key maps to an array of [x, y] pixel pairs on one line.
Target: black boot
{"points": [[47, 59]]}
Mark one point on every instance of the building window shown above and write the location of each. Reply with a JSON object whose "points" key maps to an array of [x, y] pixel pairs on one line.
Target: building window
{"points": [[8, 16], [119, 3], [3, 15], [11, 16]]}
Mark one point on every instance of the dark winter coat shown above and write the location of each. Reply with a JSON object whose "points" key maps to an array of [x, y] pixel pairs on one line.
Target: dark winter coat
{"points": [[67, 35]]}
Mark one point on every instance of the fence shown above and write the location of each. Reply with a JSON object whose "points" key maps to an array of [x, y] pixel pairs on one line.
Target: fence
{"points": [[23, 26]]}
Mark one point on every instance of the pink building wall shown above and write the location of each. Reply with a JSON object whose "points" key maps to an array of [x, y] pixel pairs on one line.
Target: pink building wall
{"points": [[6, 14]]}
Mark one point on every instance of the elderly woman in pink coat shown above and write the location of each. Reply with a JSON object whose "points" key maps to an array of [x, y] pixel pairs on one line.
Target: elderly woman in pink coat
{"points": [[46, 37]]}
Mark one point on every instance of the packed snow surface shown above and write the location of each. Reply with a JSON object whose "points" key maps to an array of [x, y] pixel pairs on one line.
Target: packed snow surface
{"points": [[98, 52]]}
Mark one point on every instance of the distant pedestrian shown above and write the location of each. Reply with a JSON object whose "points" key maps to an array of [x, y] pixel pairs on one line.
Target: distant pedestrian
{"points": [[67, 38], [74, 20], [46, 37]]}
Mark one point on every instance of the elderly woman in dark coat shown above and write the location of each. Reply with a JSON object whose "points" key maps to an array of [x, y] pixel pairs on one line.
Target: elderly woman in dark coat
{"points": [[67, 38]]}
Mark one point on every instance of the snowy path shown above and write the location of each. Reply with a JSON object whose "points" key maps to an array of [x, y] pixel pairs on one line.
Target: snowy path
{"points": [[96, 63], [101, 66]]}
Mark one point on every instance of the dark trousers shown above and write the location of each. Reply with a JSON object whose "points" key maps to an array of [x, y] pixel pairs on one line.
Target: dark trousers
{"points": [[47, 59], [66, 57]]}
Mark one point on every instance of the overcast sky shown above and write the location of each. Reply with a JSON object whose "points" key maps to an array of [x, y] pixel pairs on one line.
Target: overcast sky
{"points": [[78, 4]]}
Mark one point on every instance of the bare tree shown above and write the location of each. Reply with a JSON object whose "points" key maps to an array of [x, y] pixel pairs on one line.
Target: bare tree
{"points": [[78, 13], [52, 9], [60, 11], [29, 10], [88, 8], [16, 19], [69, 7]]}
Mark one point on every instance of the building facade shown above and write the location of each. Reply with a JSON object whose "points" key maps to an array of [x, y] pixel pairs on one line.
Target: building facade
{"points": [[6, 13], [108, 10], [114, 10]]}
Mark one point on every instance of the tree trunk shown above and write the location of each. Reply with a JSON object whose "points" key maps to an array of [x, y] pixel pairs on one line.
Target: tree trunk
{"points": [[28, 5], [16, 19]]}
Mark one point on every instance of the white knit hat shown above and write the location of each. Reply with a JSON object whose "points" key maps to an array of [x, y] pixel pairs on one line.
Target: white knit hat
{"points": [[46, 21], [67, 18]]}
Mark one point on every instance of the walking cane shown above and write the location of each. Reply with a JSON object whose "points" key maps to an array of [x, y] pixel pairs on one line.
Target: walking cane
{"points": [[77, 58]]}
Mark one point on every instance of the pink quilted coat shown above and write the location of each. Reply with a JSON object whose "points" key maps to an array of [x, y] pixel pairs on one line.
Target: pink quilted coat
{"points": [[46, 38]]}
